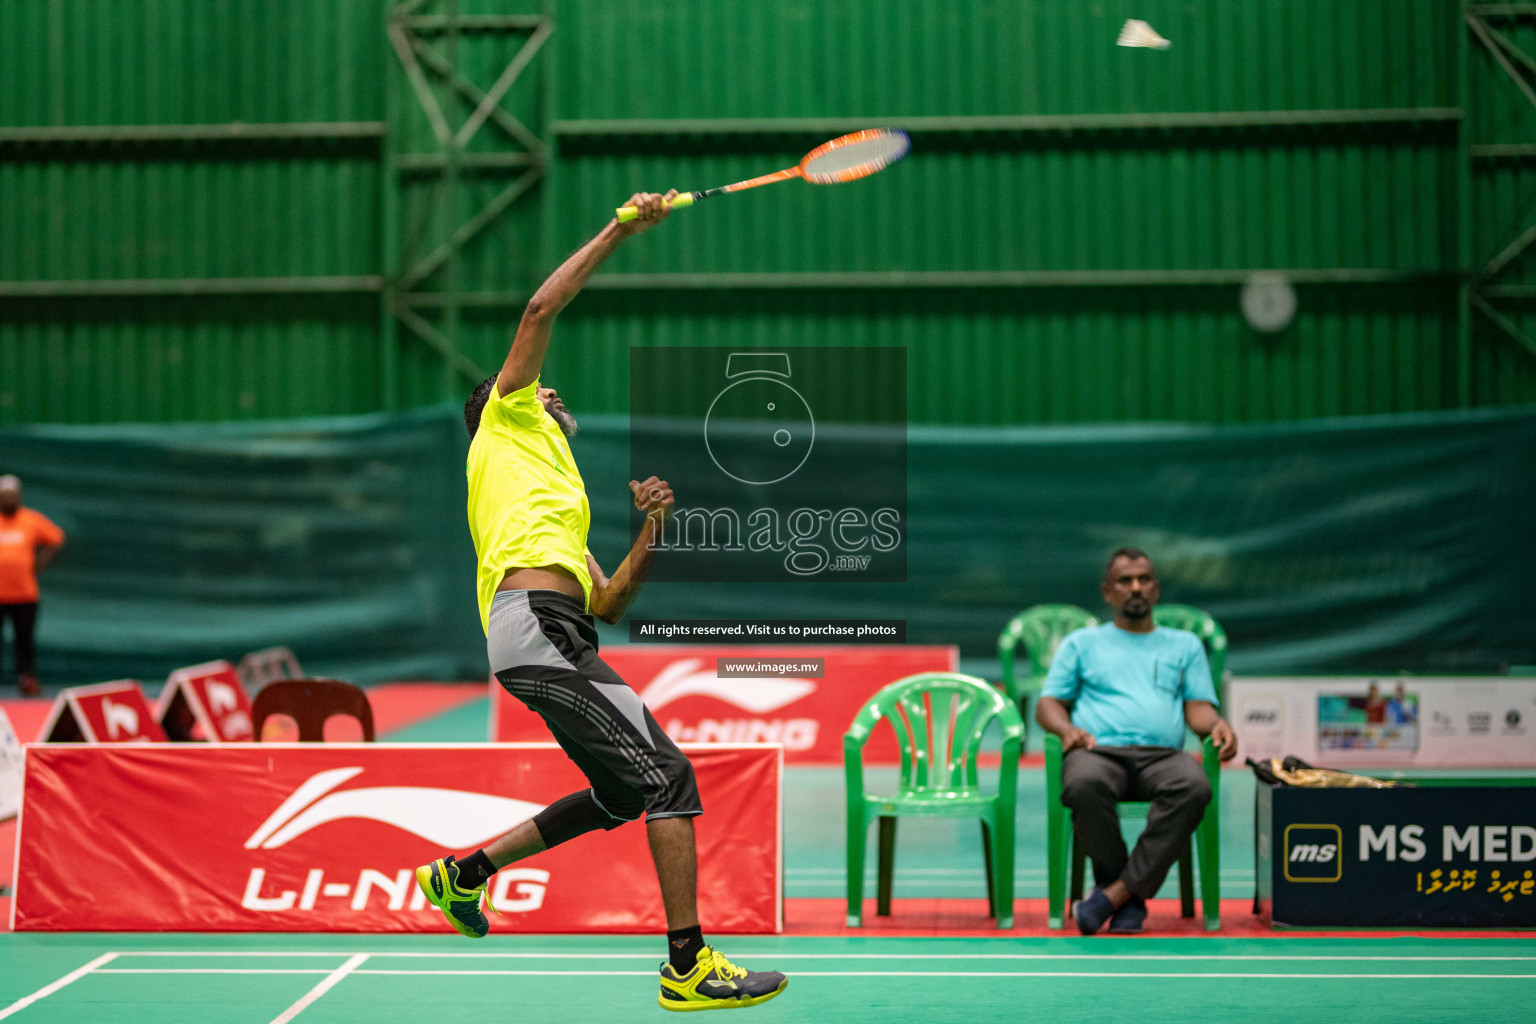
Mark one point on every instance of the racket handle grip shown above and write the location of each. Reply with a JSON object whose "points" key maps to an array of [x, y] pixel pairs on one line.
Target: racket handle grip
{"points": [[682, 199]]}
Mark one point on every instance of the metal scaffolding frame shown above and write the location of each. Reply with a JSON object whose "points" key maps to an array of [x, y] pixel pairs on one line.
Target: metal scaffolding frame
{"points": [[425, 45], [1480, 286]]}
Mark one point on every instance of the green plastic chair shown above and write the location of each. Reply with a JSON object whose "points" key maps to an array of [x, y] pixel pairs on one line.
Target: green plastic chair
{"points": [[1200, 623], [1063, 856], [939, 719], [1041, 629]]}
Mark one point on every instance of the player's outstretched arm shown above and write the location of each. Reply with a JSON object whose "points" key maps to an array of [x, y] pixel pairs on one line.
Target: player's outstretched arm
{"points": [[526, 357], [612, 597]]}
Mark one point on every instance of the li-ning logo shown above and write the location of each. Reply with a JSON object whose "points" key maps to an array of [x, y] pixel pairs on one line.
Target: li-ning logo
{"points": [[759, 696], [443, 817]]}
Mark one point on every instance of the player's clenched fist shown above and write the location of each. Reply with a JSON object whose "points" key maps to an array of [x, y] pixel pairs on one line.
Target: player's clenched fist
{"points": [[653, 497], [651, 209]]}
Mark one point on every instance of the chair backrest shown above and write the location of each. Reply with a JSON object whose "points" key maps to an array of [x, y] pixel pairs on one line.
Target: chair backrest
{"points": [[1200, 623], [309, 702], [1041, 629], [939, 719]]}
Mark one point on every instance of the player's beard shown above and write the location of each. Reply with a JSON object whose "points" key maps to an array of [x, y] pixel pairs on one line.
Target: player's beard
{"points": [[565, 421], [1136, 608]]}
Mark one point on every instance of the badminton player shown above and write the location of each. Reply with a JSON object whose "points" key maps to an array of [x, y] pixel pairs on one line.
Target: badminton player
{"points": [[539, 588]]}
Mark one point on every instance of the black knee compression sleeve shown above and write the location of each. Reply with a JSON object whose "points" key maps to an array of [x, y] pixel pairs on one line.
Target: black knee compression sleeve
{"points": [[571, 816]]}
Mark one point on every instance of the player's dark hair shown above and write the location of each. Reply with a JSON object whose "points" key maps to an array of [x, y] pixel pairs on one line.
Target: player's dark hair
{"points": [[476, 404], [1119, 553]]}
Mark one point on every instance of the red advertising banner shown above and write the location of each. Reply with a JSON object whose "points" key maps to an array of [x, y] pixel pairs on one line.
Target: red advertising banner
{"points": [[311, 837], [115, 712], [205, 702], [807, 713]]}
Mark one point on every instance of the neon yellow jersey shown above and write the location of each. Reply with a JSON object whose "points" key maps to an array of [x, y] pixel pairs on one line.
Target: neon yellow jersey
{"points": [[527, 504]]}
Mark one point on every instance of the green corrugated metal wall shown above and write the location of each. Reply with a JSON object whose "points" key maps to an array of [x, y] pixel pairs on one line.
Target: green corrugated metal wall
{"points": [[98, 209], [1092, 209]]}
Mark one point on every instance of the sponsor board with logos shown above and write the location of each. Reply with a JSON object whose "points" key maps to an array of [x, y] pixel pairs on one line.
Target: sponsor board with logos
{"points": [[326, 837], [1440, 856], [10, 769], [1388, 721], [696, 702]]}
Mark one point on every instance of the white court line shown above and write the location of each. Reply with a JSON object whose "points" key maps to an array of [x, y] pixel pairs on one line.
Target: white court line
{"points": [[975, 974], [1240, 872], [326, 984], [775, 955], [51, 988], [216, 970], [335, 976], [241, 952]]}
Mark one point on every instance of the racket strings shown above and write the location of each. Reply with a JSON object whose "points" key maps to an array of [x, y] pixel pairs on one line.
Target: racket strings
{"points": [[855, 156]]}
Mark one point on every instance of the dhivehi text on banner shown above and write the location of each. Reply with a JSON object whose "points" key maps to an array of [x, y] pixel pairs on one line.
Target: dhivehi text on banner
{"points": [[1459, 856]]}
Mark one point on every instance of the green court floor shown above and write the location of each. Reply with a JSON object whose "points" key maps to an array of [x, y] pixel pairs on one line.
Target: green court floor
{"points": [[314, 979], [180, 979], [935, 857], [941, 857]]}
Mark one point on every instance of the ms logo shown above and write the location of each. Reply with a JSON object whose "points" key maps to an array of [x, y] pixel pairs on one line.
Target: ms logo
{"points": [[1313, 853]]}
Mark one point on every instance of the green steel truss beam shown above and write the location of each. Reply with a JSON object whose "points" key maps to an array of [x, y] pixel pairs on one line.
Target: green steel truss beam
{"points": [[173, 286], [1499, 45], [128, 133], [1503, 151], [950, 281], [1002, 279], [475, 22], [430, 67], [1477, 292], [1503, 322], [1009, 125], [464, 87]]}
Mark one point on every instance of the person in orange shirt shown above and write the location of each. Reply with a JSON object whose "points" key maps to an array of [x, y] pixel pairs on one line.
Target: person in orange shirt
{"points": [[28, 542]]}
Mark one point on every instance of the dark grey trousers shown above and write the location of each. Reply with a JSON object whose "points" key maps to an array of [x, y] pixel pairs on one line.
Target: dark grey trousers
{"points": [[1093, 781]]}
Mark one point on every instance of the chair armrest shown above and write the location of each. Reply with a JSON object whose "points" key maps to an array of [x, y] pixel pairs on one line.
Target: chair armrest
{"points": [[1052, 769], [1210, 761], [858, 733]]}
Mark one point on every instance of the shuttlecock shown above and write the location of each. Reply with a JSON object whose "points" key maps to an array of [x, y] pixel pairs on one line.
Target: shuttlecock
{"points": [[1139, 33]]}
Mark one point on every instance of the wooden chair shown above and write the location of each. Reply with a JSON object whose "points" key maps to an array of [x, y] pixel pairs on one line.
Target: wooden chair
{"points": [[310, 702]]}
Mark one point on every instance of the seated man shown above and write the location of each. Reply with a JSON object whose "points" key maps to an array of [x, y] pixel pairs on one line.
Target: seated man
{"points": [[1119, 696]]}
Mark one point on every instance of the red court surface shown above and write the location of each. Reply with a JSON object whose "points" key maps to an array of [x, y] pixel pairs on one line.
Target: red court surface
{"points": [[395, 706], [27, 715], [967, 918]]}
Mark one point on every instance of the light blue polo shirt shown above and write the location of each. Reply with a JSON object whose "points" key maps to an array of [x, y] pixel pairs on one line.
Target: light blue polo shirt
{"points": [[1128, 689]]}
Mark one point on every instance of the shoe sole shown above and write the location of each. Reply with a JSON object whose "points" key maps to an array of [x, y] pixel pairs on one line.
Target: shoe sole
{"points": [[424, 882], [718, 1004]]}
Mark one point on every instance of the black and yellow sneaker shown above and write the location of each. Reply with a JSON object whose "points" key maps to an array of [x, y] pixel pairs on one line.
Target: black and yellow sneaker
{"points": [[717, 984], [440, 881]]}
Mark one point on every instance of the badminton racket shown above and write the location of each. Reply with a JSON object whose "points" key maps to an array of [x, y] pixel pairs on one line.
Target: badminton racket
{"points": [[843, 159]]}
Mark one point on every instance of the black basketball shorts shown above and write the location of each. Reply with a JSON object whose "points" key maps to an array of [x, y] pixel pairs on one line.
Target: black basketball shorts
{"points": [[543, 650]]}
